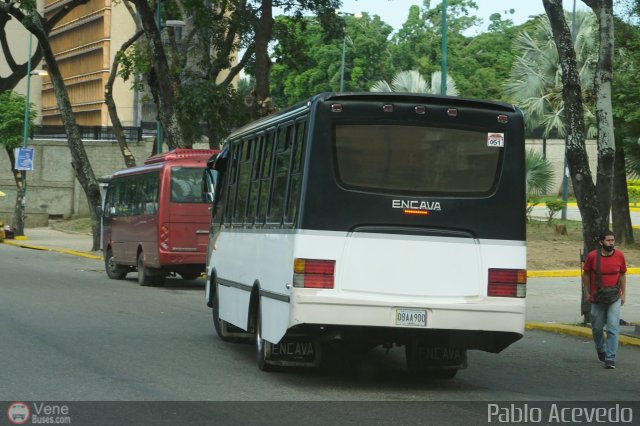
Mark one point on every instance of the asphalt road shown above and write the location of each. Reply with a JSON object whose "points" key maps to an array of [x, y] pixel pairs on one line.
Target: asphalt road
{"points": [[71, 334]]}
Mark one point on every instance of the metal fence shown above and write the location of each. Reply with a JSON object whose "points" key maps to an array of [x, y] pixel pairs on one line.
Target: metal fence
{"points": [[98, 133]]}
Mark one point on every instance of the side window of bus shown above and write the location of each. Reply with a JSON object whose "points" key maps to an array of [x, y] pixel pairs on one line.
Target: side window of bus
{"points": [[265, 178], [244, 180], [118, 206], [232, 181], [295, 179], [256, 174], [281, 173], [151, 193], [130, 193], [109, 202]]}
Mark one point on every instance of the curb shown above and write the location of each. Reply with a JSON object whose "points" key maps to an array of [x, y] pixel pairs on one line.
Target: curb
{"points": [[58, 250], [568, 273], [575, 330]]}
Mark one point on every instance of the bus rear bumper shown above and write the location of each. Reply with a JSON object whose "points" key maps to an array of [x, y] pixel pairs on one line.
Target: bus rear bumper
{"points": [[489, 323]]}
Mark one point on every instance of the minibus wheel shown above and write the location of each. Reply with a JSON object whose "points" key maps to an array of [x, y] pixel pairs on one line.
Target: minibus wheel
{"points": [[146, 276], [263, 348], [418, 366], [114, 271]]}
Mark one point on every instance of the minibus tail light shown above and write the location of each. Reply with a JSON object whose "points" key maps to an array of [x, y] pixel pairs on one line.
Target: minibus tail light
{"points": [[313, 273], [507, 283], [164, 237]]}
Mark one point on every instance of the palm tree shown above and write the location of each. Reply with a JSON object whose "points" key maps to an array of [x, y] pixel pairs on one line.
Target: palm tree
{"points": [[535, 83], [413, 82], [538, 174]]}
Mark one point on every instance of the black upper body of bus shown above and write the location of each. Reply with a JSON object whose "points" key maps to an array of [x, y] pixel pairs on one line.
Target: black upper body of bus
{"points": [[385, 162], [411, 161]]}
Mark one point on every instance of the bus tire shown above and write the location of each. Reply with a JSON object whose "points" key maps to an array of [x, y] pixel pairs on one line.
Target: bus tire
{"points": [[114, 271], [419, 367], [147, 276], [219, 324], [263, 348]]}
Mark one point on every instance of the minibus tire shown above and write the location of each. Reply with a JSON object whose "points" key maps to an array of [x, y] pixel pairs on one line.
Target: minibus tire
{"points": [[114, 271], [419, 368], [262, 346], [146, 276]]}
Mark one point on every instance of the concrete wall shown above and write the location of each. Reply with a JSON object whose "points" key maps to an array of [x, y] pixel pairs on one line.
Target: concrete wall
{"points": [[555, 154], [53, 191]]}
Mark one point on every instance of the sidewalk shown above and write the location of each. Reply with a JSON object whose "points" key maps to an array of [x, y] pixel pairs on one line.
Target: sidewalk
{"points": [[58, 241], [553, 303]]}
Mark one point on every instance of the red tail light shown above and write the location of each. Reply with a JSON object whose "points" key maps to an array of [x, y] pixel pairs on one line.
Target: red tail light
{"points": [[164, 237], [313, 273], [507, 283]]}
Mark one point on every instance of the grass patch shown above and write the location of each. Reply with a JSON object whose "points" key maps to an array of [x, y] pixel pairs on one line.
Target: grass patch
{"points": [[81, 225]]}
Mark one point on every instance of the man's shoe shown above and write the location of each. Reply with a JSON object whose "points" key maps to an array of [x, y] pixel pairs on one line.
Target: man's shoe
{"points": [[601, 356], [609, 365]]}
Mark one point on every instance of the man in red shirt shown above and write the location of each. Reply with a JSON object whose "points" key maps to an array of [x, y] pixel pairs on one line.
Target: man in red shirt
{"points": [[612, 274]]}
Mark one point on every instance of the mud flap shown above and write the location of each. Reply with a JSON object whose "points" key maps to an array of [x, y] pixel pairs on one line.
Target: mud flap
{"points": [[294, 351], [424, 357]]}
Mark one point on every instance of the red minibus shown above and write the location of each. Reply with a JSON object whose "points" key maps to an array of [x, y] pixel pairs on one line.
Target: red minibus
{"points": [[155, 219]]}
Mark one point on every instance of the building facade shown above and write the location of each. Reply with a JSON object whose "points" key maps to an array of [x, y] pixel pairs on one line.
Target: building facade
{"points": [[85, 43]]}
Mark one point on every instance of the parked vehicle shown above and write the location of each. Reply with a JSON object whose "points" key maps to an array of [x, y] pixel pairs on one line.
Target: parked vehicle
{"points": [[155, 219]]}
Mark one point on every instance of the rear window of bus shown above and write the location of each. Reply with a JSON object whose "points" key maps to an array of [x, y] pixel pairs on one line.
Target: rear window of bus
{"points": [[186, 185], [414, 159]]}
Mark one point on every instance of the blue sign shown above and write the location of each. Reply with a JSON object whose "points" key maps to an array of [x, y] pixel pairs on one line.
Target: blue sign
{"points": [[24, 158]]}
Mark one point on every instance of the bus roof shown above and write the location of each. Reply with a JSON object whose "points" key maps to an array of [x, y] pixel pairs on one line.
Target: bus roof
{"points": [[453, 101], [180, 153]]}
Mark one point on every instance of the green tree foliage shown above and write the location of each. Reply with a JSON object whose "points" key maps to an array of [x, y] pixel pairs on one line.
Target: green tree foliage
{"points": [[626, 87], [12, 119], [307, 60], [535, 83], [412, 81], [483, 64], [538, 173], [417, 45]]}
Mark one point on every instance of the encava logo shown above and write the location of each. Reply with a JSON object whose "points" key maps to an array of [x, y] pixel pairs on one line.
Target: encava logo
{"points": [[416, 205]]}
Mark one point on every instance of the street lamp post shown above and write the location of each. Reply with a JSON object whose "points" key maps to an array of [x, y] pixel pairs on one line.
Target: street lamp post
{"points": [[25, 134], [159, 130], [344, 48], [443, 64], [344, 52]]}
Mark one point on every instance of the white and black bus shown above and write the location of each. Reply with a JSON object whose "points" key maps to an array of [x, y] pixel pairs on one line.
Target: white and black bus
{"points": [[371, 219]]}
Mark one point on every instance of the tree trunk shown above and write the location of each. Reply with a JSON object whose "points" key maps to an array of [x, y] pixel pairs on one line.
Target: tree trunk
{"points": [[162, 83], [129, 159], [620, 213], [604, 110], [17, 221], [79, 160], [593, 222], [261, 103]]}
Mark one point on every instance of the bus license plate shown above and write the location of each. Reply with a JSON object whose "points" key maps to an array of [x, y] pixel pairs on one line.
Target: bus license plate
{"points": [[411, 317]]}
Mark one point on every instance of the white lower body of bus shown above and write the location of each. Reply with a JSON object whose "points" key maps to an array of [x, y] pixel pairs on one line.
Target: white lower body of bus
{"points": [[438, 295]]}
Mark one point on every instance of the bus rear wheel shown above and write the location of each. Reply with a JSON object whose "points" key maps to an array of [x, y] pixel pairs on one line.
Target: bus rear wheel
{"points": [[419, 366], [114, 271], [263, 348], [147, 276]]}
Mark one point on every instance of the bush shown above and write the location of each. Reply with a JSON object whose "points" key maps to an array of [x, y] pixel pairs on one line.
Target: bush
{"points": [[554, 206]]}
